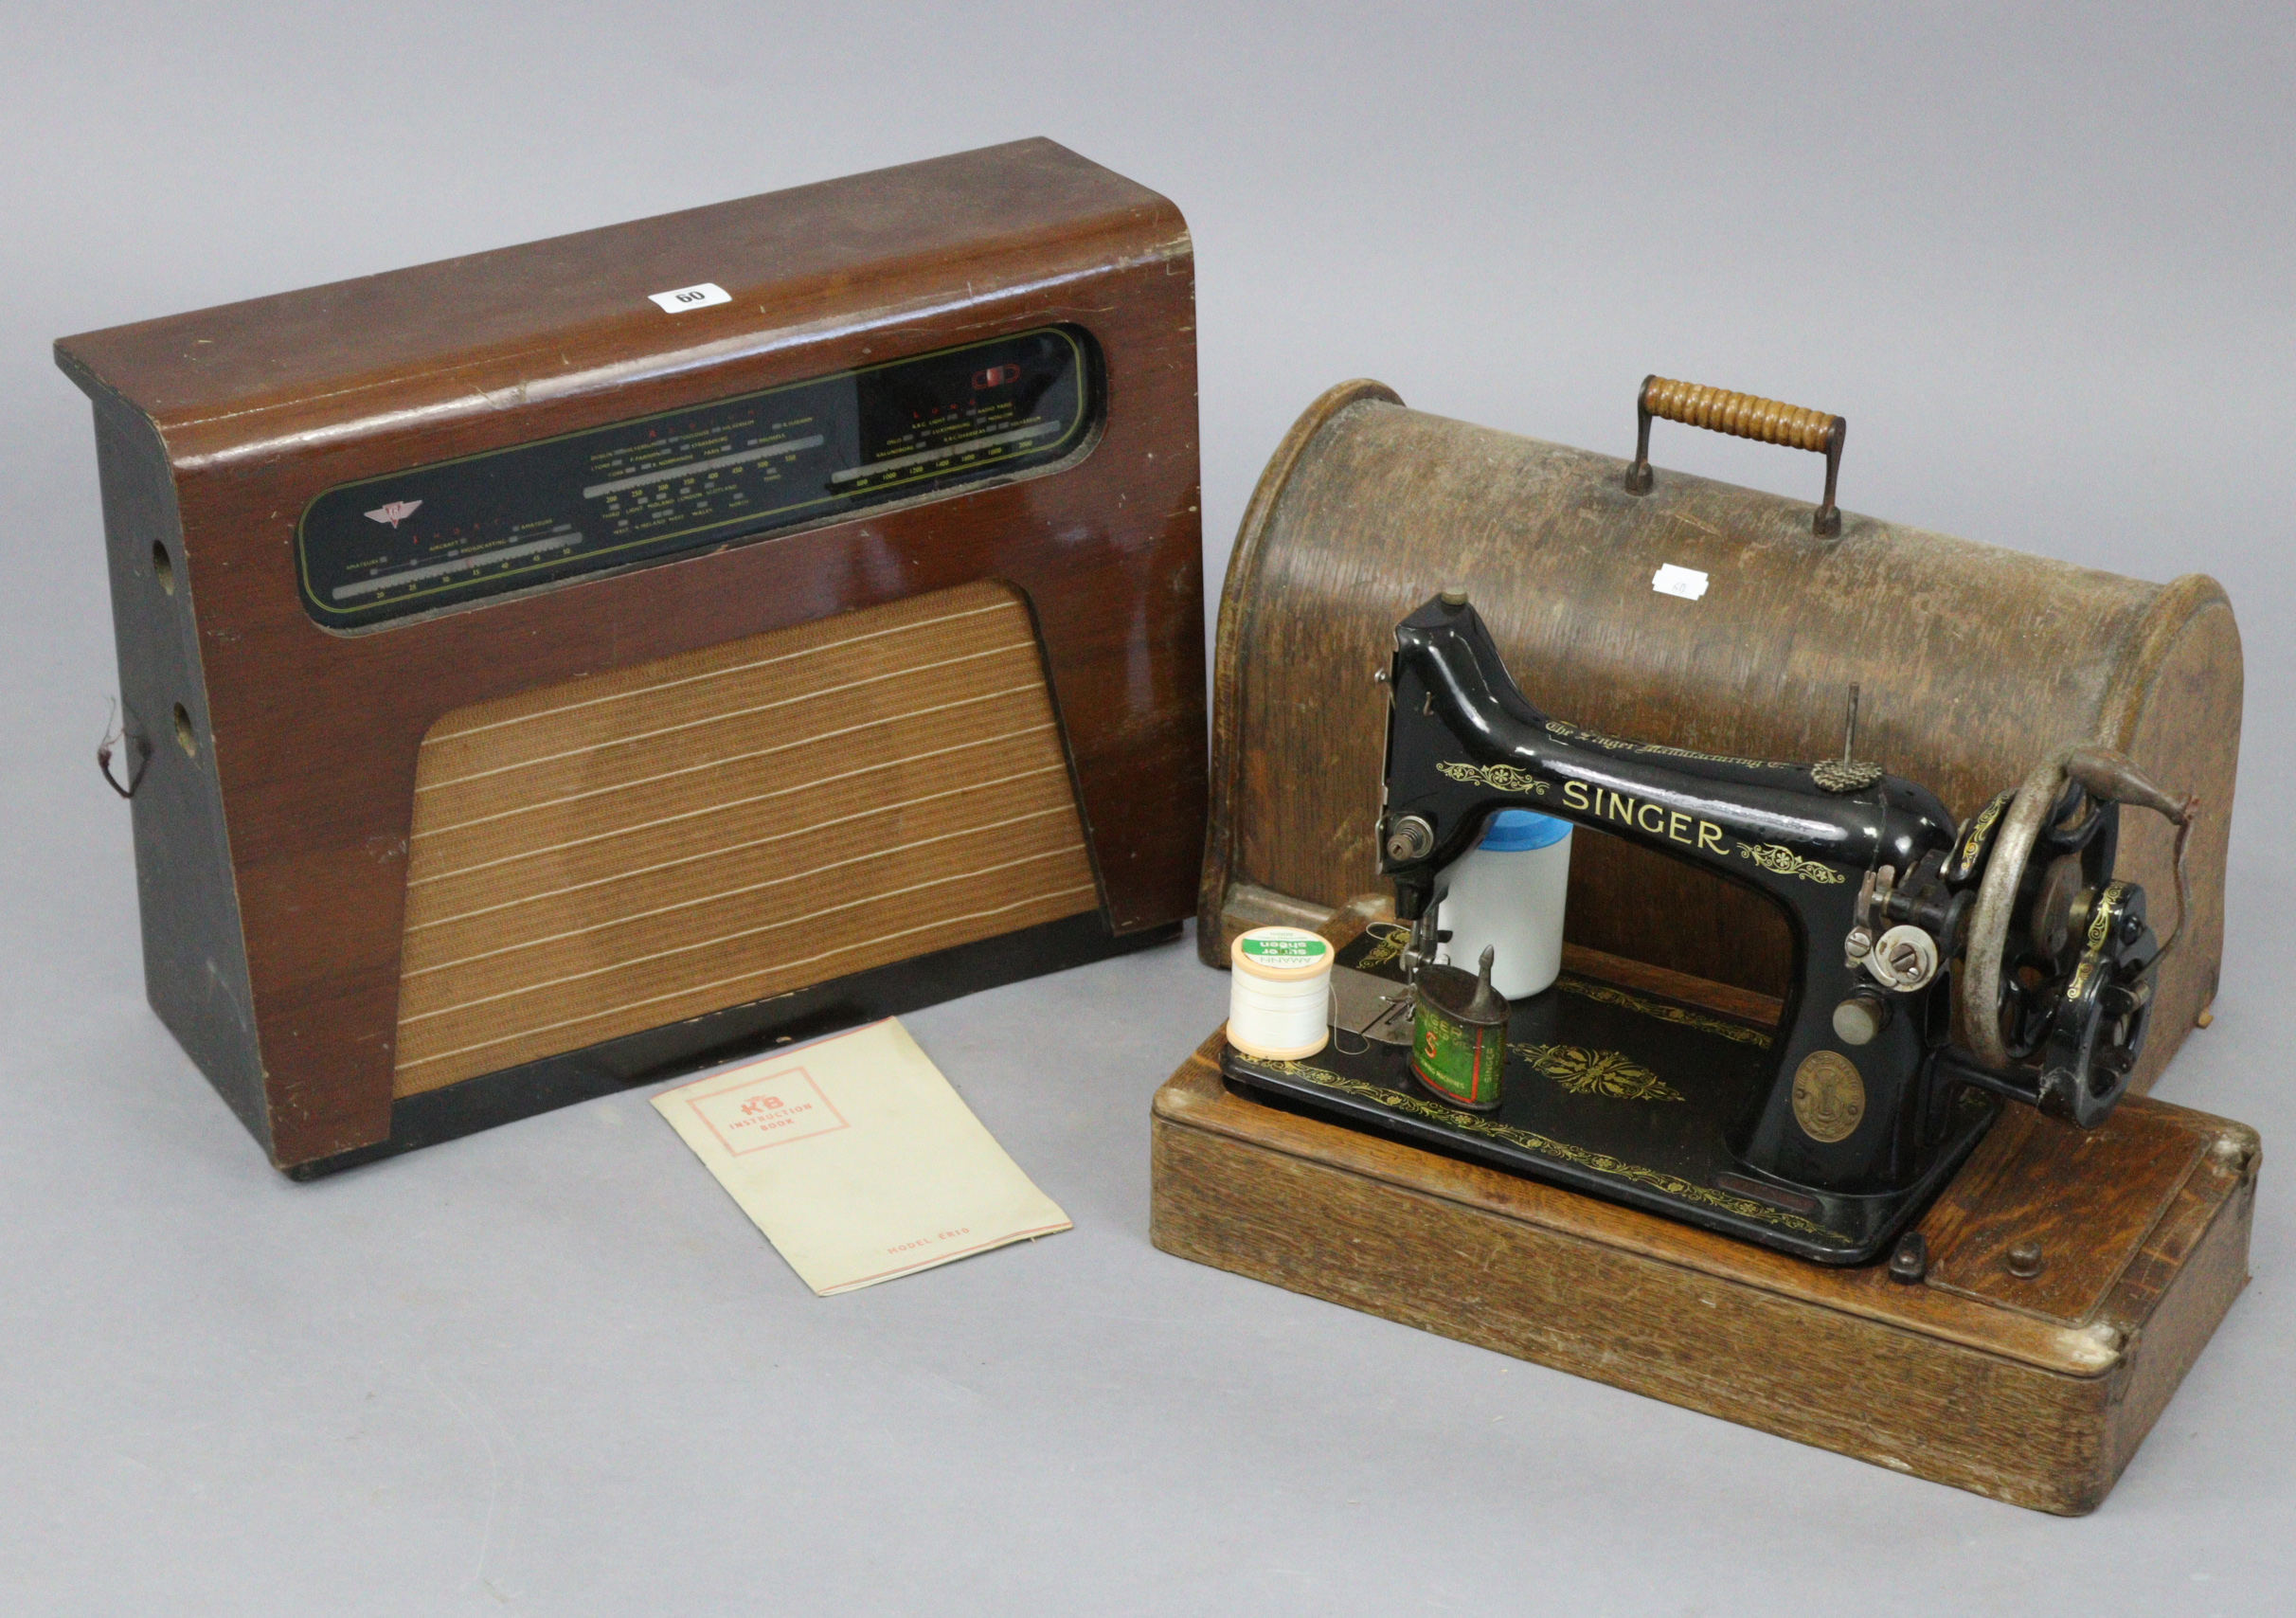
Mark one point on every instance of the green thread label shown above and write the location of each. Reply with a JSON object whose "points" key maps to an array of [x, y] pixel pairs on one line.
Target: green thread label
{"points": [[1285, 951]]}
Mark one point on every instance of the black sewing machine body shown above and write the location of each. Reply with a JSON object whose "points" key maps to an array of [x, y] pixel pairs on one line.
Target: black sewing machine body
{"points": [[1826, 1135]]}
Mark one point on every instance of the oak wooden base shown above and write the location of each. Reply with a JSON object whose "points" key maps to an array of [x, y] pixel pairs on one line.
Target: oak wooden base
{"points": [[2035, 1391]]}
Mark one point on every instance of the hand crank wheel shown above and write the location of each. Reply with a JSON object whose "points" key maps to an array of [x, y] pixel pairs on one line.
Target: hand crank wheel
{"points": [[2107, 777]]}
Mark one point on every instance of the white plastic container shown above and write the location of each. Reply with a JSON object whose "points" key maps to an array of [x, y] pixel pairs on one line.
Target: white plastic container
{"points": [[1508, 893]]}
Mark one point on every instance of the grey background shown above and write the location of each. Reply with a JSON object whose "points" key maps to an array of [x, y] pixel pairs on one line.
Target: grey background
{"points": [[2039, 257]]}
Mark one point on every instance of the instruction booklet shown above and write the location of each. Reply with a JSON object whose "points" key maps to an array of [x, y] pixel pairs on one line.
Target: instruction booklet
{"points": [[857, 1159]]}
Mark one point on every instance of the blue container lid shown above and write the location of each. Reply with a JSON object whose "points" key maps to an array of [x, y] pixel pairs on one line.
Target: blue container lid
{"points": [[1510, 830]]}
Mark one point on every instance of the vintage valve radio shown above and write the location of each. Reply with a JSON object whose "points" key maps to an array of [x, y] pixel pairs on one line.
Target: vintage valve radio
{"points": [[548, 668]]}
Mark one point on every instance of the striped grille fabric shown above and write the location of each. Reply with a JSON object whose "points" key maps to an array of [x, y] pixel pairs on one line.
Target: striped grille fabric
{"points": [[621, 852]]}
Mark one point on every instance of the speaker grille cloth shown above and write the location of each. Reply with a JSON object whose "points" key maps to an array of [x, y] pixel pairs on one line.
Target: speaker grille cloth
{"points": [[624, 851]]}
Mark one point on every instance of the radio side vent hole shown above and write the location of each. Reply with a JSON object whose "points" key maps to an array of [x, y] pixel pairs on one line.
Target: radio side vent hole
{"points": [[163, 566], [186, 737]]}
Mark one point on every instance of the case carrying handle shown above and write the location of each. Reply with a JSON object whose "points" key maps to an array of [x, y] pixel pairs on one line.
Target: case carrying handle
{"points": [[1742, 416]]}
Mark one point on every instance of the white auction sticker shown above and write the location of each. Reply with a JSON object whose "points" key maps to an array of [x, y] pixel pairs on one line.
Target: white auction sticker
{"points": [[1669, 580], [700, 296]]}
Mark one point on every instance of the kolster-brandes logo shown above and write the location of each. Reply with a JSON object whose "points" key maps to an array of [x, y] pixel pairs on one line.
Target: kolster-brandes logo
{"points": [[395, 512]]}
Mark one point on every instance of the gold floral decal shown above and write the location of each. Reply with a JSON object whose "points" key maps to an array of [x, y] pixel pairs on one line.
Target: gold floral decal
{"points": [[1786, 862], [1600, 1162], [1504, 778], [2100, 929], [2109, 904], [1979, 827], [1570, 732], [1676, 1014], [1611, 1074], [1390, 946]]}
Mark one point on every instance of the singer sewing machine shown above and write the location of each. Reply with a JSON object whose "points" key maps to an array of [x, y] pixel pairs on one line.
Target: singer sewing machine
{"points": [[1803, 1019], [1827, 1134]]}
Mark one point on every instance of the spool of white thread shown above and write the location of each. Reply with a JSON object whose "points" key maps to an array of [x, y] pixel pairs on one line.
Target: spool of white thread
{"points": [[1278, 993]]}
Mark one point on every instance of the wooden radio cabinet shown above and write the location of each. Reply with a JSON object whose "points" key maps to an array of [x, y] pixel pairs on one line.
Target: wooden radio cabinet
{"points": [[547, 668]]}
